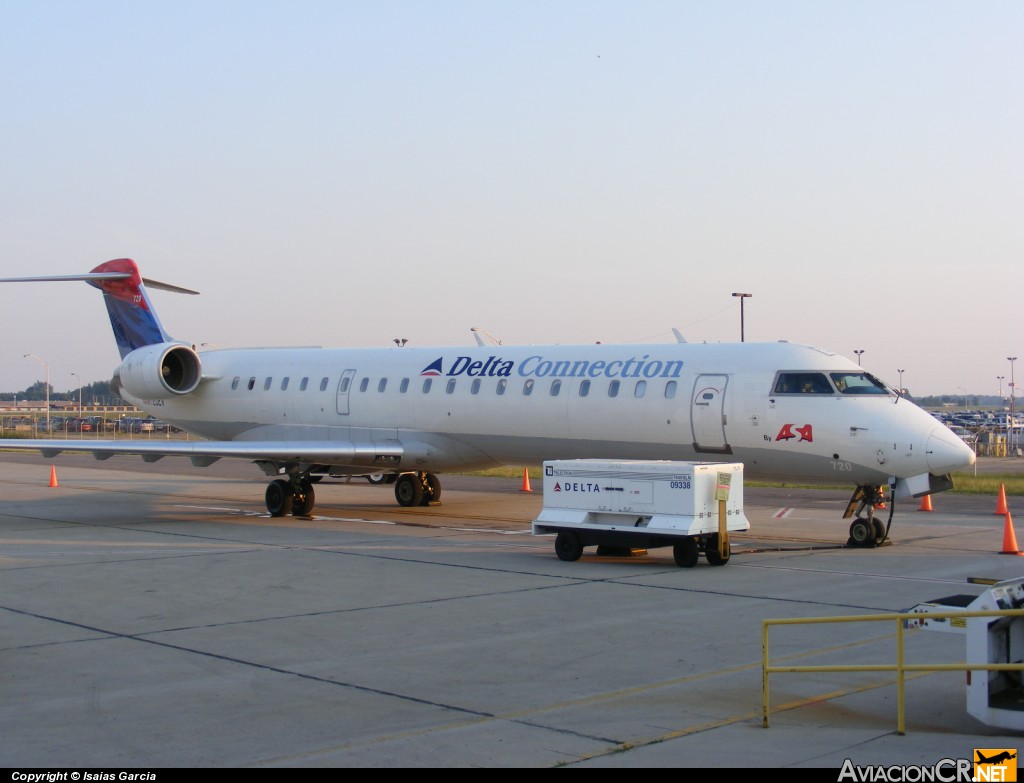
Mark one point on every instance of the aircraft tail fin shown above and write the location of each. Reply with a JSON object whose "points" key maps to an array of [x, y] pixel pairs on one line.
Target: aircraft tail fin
{"points": [[132, 316]]}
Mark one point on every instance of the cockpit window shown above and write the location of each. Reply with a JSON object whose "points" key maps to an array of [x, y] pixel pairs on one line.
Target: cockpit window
{"points": [[858, 383], [802, 383]]}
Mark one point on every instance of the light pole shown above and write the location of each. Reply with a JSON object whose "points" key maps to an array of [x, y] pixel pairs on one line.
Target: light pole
{"points": [[1000, 379], [961, 388], [1010, 428], [901, 381], [858, 351], [45, 365], [76, 375], [742, 297]]}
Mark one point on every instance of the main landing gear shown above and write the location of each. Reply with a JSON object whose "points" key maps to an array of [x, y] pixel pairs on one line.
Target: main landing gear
{"points": [[418, 489], [290, 496], [293, 493], [868, 531]]}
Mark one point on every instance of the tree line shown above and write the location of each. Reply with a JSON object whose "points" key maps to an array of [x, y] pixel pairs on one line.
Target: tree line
{"points": [[98, 393]]}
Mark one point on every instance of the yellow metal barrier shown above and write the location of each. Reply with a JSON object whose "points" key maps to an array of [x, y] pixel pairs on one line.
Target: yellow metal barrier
{"points": [[900, 667]]}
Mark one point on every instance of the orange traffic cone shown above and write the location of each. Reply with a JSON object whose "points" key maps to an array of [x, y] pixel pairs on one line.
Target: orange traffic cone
{"points": [[926, 503], [1009, 539], [53, 476], [1001, 503], [526, 481]]}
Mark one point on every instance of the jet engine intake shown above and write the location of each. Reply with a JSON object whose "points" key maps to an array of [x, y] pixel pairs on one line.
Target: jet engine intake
{"points": [[160, 371]]}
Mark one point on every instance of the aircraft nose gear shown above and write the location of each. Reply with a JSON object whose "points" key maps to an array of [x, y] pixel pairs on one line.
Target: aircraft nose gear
{"points": [[290, 496], [868, 532]]}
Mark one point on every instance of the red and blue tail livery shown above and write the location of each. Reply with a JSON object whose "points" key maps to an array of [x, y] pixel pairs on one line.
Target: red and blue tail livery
{"points": [[132, 317]]}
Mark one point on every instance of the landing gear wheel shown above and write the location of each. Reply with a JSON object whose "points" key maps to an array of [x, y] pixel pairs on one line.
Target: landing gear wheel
{"points": [[686, 553], [711, 551], [879, 530], [279, 498], [568, 546], [376, 478], [303, 503], [862, 532], [409, 490], [431, 490]]}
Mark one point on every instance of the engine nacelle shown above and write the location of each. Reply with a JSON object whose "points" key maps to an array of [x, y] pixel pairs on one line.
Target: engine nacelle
{"points": [[156, 372]]}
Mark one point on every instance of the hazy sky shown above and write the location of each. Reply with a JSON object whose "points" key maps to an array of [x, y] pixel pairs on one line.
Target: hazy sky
{"points": [[344, 173]]}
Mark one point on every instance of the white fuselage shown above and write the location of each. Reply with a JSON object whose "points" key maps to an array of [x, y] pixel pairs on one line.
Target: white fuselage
{"points": [[455, 408]]}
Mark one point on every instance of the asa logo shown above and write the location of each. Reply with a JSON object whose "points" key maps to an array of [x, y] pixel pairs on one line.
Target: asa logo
{"points": [[790, 431], [995, 764]]}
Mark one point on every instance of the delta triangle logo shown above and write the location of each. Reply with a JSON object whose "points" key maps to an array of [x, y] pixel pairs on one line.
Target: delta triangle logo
{"points": [[433, 369]]}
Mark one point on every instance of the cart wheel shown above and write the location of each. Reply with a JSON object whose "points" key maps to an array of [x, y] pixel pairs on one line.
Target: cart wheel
{"points": [[568, 546], [686, 553], [711, 551]]}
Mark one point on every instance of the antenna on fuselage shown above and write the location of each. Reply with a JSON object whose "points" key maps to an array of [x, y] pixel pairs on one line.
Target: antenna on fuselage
{"points": [[477, 331]]}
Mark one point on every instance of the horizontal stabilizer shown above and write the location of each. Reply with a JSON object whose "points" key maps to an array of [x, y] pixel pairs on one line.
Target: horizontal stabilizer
{"points": [[90, 277]]}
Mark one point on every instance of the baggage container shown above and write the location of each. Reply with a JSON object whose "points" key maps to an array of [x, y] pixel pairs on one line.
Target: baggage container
{"points": [[627, 504]]}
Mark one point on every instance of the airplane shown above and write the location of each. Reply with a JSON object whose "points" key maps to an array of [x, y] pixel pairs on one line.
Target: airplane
{"points": [[788, 412], [1004, 756]]}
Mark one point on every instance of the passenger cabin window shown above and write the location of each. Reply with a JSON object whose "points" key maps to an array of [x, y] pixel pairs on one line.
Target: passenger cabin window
{"points": [[640, 390], [403, 387], [858, 383], [284, 383], [556, 386], [584, 388], [670, 390], [252, 383], [234, 383], [475, 387], [344, 384], [304, 383], [364, 384], [382, 384], [323, 385], [426, 384], [502, 385], [451, 386], [267, 383], [613, 389], [528, 387], [802, 383]]}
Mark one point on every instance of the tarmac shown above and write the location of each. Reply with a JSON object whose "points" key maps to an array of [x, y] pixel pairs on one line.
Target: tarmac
{"points": [[153, 616]]}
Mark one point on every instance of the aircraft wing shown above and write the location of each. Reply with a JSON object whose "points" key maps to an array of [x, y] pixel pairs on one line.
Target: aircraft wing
{"points": [[377, 455]]}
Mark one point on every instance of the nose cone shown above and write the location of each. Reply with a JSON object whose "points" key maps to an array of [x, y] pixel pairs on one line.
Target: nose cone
{"points": [[946, 452]]}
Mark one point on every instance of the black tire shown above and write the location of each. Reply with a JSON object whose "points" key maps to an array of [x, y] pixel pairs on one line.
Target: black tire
{"points": [[879, 530], [303, 504], [376, 478], [862, 532], [409, 490], [432, 491], [279, 497], [686, 553], [568, 546], [711, 551]]}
